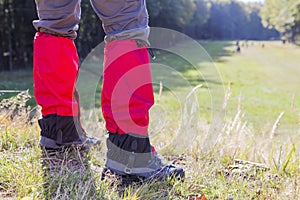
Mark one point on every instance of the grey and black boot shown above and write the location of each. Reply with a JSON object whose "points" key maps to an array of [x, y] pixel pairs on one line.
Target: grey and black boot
{"points": [[58, 132], [132, 156]]}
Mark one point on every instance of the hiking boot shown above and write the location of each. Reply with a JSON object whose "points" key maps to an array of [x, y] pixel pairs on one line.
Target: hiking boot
{"points": [[63, 131], [132, 155]]}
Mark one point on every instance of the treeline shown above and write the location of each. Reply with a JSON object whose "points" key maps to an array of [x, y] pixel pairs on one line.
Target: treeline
{"points": [[214, 19], [200, 19], [16, 33]]}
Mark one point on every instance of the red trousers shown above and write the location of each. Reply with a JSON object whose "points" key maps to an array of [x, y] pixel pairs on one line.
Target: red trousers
{"points": [[127, 93]]}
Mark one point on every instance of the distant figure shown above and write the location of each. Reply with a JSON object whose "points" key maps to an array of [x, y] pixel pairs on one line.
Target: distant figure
{"points": [[263, 45], [246, 44], [238, 48], [283, 39]]}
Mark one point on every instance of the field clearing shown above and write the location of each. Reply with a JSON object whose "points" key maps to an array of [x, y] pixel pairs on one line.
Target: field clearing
{"points": [[262, 82], [254, 157], [268, 81]]}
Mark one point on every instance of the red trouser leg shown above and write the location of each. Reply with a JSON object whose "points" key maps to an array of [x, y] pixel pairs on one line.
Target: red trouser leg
{"points": [[55, 70], [127, 93]]}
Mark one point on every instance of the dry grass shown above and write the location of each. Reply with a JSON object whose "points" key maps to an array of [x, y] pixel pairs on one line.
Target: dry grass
{"points": [[26, 173]]}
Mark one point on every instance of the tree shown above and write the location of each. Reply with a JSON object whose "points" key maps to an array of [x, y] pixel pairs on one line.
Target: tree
{"points": [[196, 27], [236, 21], [201, 19], [171, 14], [284, 15], [90, 32], [228, 19], [16, 33]]}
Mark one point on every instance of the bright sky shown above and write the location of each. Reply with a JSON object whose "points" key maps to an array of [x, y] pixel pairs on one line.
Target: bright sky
{"points": [[252, 1]]}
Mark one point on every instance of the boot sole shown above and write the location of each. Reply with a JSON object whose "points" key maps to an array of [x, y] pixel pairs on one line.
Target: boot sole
{"points": [[48, 143]]}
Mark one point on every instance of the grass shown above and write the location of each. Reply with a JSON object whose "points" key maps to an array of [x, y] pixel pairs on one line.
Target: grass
{"points": [[17, 80], [260, 85], [266, 78]]}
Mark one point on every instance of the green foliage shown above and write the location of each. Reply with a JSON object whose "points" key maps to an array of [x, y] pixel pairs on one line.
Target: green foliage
{"points": [[236, 20], [284, 15], [199, 19], [171, 14], [91, 32], [196, 26], [16, 33], [210, 19]]}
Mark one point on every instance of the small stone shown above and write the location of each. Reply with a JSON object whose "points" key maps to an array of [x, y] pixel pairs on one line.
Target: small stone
{"points": [[230, 197]]}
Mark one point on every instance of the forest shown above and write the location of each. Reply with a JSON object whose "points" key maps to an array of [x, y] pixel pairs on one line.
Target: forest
{"points": [[200, 19]]}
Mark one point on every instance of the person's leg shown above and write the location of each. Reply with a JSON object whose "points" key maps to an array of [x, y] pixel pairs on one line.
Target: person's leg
{"points": [[55, 72], [127, 93], [127, 96]]}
